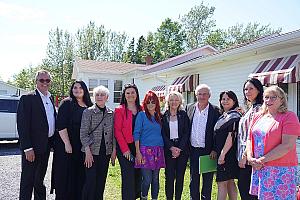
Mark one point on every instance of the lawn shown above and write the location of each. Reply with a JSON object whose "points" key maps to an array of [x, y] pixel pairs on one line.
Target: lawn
{"points": [[113, 184]]}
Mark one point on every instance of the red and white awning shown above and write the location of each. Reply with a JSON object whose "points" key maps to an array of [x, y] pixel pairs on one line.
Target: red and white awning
{"points": [[160, 90], [185, 83], [279, 70]]}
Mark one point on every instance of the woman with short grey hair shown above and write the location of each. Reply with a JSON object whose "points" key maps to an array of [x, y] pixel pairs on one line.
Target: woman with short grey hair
{"points": [[98, 143]]}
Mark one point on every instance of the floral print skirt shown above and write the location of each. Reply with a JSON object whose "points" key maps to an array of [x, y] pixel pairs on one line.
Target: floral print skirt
{"points": [[152, 158], [274, 183]]}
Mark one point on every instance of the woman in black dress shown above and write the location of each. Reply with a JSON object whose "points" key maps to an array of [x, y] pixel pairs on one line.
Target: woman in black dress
{"points": [[226, 147], [68, 160]]}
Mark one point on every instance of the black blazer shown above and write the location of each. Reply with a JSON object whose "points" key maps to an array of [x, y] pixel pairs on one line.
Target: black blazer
{"points": [[213, 116], [32, 123], [183, 130]]}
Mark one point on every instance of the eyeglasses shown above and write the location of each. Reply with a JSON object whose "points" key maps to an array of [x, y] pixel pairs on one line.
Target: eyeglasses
{"points": [[44, 80], [150, 102], [272, 98]]}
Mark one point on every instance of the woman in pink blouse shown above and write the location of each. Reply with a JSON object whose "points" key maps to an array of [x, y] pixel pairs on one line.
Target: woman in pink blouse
{"points": [[271, 148]]}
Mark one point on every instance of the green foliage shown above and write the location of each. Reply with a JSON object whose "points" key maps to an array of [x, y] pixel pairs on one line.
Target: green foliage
{"points": [[239, 34], [129, 56], [169, 40], [141, 51], [197, 24], [25, 78]]}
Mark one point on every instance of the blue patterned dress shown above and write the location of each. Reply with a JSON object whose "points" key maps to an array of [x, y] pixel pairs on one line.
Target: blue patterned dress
{"points": [[270, 183]]}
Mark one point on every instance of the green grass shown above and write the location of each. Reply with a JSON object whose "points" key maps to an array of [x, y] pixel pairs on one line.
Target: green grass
{"points": [[113, 184]]}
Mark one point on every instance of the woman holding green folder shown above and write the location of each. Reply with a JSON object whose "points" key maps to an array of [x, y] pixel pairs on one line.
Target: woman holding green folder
{"points": [[225, 143]]}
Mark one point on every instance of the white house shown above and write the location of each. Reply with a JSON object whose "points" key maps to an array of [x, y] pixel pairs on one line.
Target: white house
{"points": [[273, 60], [7, 89]]}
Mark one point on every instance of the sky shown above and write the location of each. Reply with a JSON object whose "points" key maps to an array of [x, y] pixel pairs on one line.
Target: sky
{"points": [[25, 24]]}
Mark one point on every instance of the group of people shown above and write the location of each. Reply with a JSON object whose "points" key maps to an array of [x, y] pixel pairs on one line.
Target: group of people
{"points": [[256, 146]]}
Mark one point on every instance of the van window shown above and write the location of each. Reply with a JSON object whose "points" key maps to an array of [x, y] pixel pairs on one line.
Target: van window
{"points": [[8, 105]]}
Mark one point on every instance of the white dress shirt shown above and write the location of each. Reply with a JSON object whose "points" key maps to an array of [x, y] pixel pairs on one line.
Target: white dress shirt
{"points": [[199, 127], [49, 112]]}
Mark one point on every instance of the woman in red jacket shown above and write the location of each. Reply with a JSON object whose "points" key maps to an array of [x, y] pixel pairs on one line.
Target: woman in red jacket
{"points": [[124, 122]]}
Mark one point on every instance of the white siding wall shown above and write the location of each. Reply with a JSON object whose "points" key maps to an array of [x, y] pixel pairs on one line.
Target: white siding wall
{"points": [[6, 89]]}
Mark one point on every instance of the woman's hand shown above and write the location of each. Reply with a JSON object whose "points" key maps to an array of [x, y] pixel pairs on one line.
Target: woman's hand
{"points": [[242, 162], [68, 147], [221, 159], [113, 157], [175, 152], [139, 158], [127, 154], [88, 162], [255, 163]]}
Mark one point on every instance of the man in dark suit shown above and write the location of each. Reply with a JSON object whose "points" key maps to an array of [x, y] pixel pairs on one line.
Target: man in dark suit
{"points": [[203, 117], [36, 125]]}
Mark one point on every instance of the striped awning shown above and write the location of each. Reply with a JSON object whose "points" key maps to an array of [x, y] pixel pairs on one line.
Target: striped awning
{"points": [[185, 83], [160, 90], [279, 70]]}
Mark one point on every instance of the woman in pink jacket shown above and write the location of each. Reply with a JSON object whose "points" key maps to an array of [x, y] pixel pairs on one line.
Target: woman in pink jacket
{"points": [[271, 148], [124, 122]]}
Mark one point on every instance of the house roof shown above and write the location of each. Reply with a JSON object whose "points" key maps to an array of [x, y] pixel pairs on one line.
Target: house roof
{"points": [[106, 67], [9, 85], [180, 59]]}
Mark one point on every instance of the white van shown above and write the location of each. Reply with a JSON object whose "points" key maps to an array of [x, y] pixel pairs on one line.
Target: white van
{"points": [[8, 117]]}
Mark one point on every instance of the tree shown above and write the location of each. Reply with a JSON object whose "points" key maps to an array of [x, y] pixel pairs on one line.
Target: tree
{"points": [[59, 60], [217, 39], [169, 40], [25, 78], [239, 34], [129, 55], [141, 51], [197, 25], [91, 42]]}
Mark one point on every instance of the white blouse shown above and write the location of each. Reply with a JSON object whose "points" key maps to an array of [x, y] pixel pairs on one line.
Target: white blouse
{"points": [[173, 129]]}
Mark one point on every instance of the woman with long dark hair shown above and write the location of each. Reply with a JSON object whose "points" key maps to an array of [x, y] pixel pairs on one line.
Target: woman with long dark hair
{"points": [[68, 168], [149, 145], [125, 116], [253, 99], [225, 144]]}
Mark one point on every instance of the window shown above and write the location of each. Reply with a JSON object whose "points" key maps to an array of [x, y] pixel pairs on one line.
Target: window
{"points": [[3, 92], [117, 91], [104, 83], [92, 84], [95, 82], [8, 105]]}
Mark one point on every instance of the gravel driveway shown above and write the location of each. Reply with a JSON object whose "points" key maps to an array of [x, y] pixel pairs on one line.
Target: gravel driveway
{"points": [[10, 172]]}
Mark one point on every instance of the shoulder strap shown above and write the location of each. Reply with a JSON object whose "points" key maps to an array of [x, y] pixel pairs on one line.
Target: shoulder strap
{"points": [[98, 124]]}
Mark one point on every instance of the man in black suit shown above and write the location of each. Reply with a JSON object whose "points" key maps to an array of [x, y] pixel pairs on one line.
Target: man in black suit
{"points": [[203, 117], [36, 125]]}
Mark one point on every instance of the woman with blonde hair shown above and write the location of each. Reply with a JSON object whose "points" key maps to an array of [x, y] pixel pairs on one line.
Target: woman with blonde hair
{"points": [[271, 148], [176, 134]]}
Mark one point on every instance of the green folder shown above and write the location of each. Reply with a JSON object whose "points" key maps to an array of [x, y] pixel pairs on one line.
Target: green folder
{"points": [[206, 164]]}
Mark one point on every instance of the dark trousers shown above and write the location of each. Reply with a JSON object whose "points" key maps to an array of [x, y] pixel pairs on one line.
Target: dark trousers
{"points": [[94, 185], [131, 177], [244, 181], [32, 176], [175, 170], [207, 178]]}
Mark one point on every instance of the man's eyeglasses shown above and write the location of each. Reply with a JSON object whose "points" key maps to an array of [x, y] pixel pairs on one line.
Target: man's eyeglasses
{"points": [[44, 80]]}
